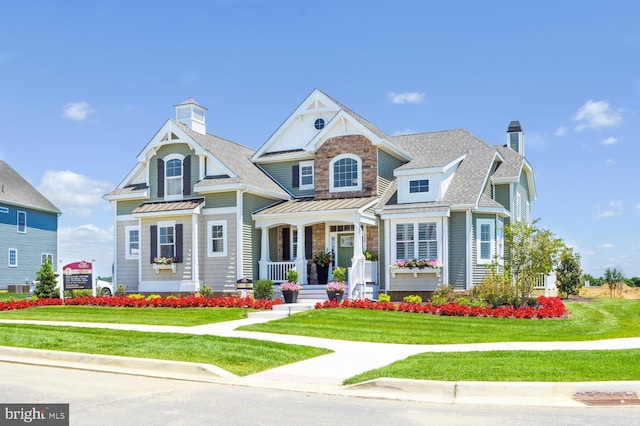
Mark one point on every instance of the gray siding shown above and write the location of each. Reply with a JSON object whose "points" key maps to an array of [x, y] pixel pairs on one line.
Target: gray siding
{"points": [[282, 173], [127, 268], [220, 273], [127, 207], [502, 196], [174, 148], [386, 165], [251, 236], [423, 282], [220, 199], [184, 268], [458, 250]]}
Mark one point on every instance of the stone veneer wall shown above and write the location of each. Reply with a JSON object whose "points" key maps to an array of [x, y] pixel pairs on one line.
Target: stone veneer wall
{"points": [[351, 144]]}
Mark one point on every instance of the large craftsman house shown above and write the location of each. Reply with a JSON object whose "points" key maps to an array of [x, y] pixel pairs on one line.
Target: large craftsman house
{"points": [[28, 229], [199, 209]]}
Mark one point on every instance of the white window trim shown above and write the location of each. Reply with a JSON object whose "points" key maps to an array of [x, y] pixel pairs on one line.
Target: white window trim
{"points": [[166, 160], [48, 255], [419, 192], [210, 252], [416, 242], [24, 231], [300, 166], [492, 247], [331, 175], [127, 243], [166, 224], [9, 257]]}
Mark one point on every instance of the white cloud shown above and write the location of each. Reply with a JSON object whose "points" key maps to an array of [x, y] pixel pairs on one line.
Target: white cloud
{"points": [[87, 242], [406, 131], [406, 98], [608, 246], [609, 141], [597, 114], [615, 203], [77, 111], [606, 214], [74, 194], [638, 207], [611, 162], [561, 131]]}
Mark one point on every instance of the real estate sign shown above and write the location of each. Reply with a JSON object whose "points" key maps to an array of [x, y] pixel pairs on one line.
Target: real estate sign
{"points": [[78, 276]]}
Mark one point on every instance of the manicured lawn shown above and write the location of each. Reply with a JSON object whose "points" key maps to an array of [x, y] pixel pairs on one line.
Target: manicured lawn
{"points": [[510, 366], [239, 356], [5, 296], [600, 319], [150, 316]]}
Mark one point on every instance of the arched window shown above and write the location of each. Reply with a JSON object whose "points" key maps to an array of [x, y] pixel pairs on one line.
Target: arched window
{"points": [[173, 176], [345, 173]]}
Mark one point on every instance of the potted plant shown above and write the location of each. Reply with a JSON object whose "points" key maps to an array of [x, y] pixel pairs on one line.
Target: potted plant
{"points": [[336, 288], [291, 288], [322, 260]]}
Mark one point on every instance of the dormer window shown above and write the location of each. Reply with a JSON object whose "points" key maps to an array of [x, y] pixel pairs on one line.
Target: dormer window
{"points": [[174, 177], [421, 185], [345, 173], [319, 124]]}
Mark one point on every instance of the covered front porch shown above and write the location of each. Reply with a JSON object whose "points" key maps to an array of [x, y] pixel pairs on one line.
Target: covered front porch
{"points": [[293, 232]]}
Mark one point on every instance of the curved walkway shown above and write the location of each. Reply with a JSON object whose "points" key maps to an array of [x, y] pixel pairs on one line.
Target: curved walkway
{"points": [[326, 373]]}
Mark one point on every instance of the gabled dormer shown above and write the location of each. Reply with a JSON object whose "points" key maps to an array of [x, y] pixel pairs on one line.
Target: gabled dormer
{"points": [[421, 185]]}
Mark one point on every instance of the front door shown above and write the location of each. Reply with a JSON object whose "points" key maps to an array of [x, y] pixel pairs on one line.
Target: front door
{"points": [[345, 251]]}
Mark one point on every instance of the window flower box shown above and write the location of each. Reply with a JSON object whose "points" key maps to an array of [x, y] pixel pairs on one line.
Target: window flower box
{"points": [[164, 267], [415, 267]]}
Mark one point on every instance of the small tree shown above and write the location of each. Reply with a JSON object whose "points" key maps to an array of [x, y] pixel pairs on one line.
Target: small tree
{"points": [[46, 286], [614, 279], [532, 252], [569, 272]]}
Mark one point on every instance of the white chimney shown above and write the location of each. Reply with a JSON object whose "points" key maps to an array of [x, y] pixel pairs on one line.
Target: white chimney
{"points": [[192, 114]]}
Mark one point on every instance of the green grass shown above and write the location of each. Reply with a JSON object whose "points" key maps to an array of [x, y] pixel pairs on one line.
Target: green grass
{"points": [[239, 356], [5, 296], [149, 316], [600, 319], [508, 366]]}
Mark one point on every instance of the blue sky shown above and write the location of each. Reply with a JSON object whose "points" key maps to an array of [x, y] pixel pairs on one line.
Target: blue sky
{"points": [[85, 85]]}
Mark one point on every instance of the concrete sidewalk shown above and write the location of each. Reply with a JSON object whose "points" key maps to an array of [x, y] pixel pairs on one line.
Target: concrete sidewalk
{"points": [[325, 374]]}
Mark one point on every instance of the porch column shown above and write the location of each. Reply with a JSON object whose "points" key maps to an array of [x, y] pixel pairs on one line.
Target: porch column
{"points": [[264, 253], [301, 261], [356, 278]]}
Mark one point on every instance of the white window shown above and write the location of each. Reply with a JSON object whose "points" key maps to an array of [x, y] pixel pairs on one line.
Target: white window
{"points": [[485, 240], [166, 241], [132, 242], [13, 258], [22, 222], [173, 176], [345, 173], [45, 256], [306, 175], [518, 207], [216, 238], [416, 240], [420, 185]]}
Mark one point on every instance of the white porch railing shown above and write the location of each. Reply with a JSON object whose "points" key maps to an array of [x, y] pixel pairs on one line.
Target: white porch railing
{"points": [[362, 272], [277, 271]]}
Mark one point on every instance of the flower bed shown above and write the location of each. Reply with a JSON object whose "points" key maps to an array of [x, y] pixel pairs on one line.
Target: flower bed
{"points": [[148, 302], [548, 307]]}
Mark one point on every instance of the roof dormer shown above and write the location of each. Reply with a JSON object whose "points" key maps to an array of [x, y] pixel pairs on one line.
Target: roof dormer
{"points": [[192, 114]]}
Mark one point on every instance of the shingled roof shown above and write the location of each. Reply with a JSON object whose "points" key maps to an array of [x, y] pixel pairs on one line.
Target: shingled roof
{"points": [[14, 189]]}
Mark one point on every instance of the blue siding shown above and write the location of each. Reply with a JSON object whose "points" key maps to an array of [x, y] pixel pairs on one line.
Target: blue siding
{"points": [[41, 237]]}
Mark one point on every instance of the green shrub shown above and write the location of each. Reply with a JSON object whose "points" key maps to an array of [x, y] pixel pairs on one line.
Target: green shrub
{"points": [[463, 301], [446, 292], [413, 298], [206, 291], [263, 290], [438, 300], [339, 274], [154, 296], [121, 290], [495, 289], [292, 276], [383, 297]]}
